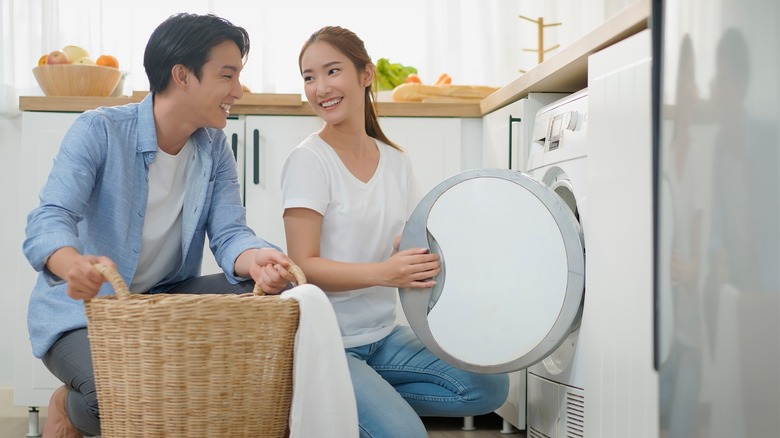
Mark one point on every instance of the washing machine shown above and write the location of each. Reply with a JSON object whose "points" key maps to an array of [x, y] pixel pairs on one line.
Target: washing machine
{"points": [[511, 289]]}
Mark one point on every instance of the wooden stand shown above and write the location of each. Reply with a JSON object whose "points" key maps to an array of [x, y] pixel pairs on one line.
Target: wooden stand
{"points": [[540, 50]]}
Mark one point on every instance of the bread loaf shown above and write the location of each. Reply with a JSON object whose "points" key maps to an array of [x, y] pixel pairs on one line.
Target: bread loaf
{"points": [[422, 92]]}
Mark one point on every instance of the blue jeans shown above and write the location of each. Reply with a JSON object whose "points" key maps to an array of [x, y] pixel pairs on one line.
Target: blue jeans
{"points": [[397, 380]]}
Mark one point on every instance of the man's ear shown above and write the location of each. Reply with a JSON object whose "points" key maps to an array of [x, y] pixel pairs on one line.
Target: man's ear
{"points": [[180, 75]]}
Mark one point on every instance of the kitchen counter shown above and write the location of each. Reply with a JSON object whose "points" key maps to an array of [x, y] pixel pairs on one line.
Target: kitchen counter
{"points": [[255, 103], [566, 71]]}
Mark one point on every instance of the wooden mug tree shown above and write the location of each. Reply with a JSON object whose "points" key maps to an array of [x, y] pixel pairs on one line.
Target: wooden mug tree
{"points": [[540, 26]]}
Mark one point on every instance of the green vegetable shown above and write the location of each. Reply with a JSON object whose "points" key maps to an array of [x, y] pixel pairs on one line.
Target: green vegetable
{"points": [[390, 75]]}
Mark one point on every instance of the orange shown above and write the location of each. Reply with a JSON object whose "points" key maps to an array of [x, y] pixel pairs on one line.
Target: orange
{"points": [[42, 59], [107, 61]]}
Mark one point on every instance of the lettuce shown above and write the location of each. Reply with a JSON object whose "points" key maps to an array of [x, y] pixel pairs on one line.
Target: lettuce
{"points": [[390, 75]]}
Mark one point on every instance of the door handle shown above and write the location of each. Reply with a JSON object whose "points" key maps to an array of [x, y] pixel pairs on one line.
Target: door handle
{"points": [[511, 120], [256, 161], [234, 145]]}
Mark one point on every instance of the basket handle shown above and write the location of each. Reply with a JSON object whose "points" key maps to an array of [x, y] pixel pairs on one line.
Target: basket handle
{"points": [[122, 291], [113, 277], [294, 269]]}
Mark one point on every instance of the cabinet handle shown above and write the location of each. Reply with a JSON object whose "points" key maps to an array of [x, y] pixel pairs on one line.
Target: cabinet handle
{"points": [[511, 120], [234, 145], [256, 163]]}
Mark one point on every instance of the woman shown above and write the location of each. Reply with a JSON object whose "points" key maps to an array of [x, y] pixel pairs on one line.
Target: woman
{"points": [[347, 192]]}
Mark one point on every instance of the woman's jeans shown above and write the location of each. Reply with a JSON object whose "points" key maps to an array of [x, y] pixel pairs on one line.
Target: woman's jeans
{"points": [[70, 359], [397, 380]]}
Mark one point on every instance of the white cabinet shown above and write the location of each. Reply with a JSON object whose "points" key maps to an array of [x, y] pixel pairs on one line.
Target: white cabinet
{"points": [[269, 140], [235, 135], [41, 137], [435, 146], [42, 133], [506, 132]]}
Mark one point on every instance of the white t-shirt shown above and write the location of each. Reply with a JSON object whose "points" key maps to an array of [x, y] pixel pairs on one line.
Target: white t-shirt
{"points": [[161, 237], [359, 223]]}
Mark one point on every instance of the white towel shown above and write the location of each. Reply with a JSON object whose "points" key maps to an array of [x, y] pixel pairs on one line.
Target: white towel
{"points": [[323, 400]]}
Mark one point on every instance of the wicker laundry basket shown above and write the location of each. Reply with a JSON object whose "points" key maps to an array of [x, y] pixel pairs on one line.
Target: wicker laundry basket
{"points": [[179, 365]]}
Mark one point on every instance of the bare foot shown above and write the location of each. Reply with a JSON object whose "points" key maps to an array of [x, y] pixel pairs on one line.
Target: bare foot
{"points": [[57, 424]]}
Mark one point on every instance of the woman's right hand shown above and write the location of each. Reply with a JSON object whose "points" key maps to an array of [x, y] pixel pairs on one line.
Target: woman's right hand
{"points": [[411, 268]]}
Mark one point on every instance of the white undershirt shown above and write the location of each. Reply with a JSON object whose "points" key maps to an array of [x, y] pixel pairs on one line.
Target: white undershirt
{"points": [[161, 239]]}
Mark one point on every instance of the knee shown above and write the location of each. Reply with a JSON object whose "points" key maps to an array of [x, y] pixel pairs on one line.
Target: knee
{"points": [[491, 391], [91, 404]]}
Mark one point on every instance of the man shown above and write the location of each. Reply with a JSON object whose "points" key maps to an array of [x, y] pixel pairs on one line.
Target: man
{"points": [[137, 187]]}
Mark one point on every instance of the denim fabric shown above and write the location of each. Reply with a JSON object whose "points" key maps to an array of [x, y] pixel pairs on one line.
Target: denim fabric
{"points": [[397, 380]]}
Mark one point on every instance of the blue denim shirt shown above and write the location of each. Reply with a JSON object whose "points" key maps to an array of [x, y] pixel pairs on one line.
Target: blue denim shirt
{"points": [[95, 201]]}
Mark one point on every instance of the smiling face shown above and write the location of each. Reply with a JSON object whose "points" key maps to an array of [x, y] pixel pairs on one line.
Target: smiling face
{"points": [[334, 88], [210, 97]]}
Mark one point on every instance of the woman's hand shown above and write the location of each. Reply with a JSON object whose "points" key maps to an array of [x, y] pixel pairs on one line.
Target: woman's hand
{"points": [[411, 268], [269, 270]]}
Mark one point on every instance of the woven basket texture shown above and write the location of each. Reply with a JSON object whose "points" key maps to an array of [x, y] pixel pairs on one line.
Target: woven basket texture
{"points": [[179, 365]]}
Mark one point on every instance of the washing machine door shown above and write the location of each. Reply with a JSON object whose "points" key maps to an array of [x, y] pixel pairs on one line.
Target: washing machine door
{"points": [[513, 271]]}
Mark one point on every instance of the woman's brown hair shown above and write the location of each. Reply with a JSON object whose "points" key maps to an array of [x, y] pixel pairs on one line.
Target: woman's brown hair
{"points": [[346, 42]]}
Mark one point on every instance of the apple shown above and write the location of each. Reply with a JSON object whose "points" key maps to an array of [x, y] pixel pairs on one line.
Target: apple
{"points": [[75, 52], [84, 60], [57, 57]]}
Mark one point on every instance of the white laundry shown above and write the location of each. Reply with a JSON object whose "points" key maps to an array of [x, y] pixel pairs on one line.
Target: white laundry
{"points": [[323, 400]]}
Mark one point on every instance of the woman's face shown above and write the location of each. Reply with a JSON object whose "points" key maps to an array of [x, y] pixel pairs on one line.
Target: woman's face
{"points": [[334, 88]]}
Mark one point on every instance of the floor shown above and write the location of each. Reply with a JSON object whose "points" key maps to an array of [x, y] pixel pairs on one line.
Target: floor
{"points": [[487, 426]]}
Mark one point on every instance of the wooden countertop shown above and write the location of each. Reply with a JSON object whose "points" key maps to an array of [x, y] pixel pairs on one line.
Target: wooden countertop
{"points": [[566, 71], [254, 103]]}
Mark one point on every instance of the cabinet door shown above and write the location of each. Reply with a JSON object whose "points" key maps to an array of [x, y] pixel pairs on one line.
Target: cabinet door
{"points": [[269, 140], [434, 146], [42, 134]]}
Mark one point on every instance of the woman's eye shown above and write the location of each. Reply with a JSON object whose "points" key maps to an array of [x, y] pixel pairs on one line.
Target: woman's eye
{"points": [[307, 78], [333, 71]]}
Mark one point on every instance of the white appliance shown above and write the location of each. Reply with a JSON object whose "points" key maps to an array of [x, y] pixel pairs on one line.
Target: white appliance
{"points": [[513, 270], [556, 385]]}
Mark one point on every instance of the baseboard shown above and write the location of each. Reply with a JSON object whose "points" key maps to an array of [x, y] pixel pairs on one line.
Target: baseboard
{"points": [[7, 408]]}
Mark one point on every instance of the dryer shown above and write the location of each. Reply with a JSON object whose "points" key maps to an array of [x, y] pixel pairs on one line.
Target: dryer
{"points": [[511, 289], [556, 385]]}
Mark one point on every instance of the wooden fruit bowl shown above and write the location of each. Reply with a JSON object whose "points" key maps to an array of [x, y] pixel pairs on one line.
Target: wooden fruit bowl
{"points": [[77, 79]]}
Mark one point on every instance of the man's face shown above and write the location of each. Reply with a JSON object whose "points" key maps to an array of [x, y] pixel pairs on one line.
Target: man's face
{"points": [[219, 86]]}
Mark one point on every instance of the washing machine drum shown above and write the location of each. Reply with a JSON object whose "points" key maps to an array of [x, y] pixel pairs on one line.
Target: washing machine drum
{"points": [[513, 271]]}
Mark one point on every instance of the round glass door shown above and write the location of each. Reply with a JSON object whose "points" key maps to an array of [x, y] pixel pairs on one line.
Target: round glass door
{"points": [[513, 271]]}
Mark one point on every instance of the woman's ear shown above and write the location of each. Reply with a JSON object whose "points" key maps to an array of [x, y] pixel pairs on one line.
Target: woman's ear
{"points": [[180, 75], [368, 74]]}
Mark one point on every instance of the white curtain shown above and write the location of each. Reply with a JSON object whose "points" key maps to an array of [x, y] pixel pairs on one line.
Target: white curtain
{"points": [[474, 41]]}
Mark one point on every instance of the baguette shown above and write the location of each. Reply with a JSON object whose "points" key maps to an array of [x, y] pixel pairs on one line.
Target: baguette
{"points": [[421, 92]]}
